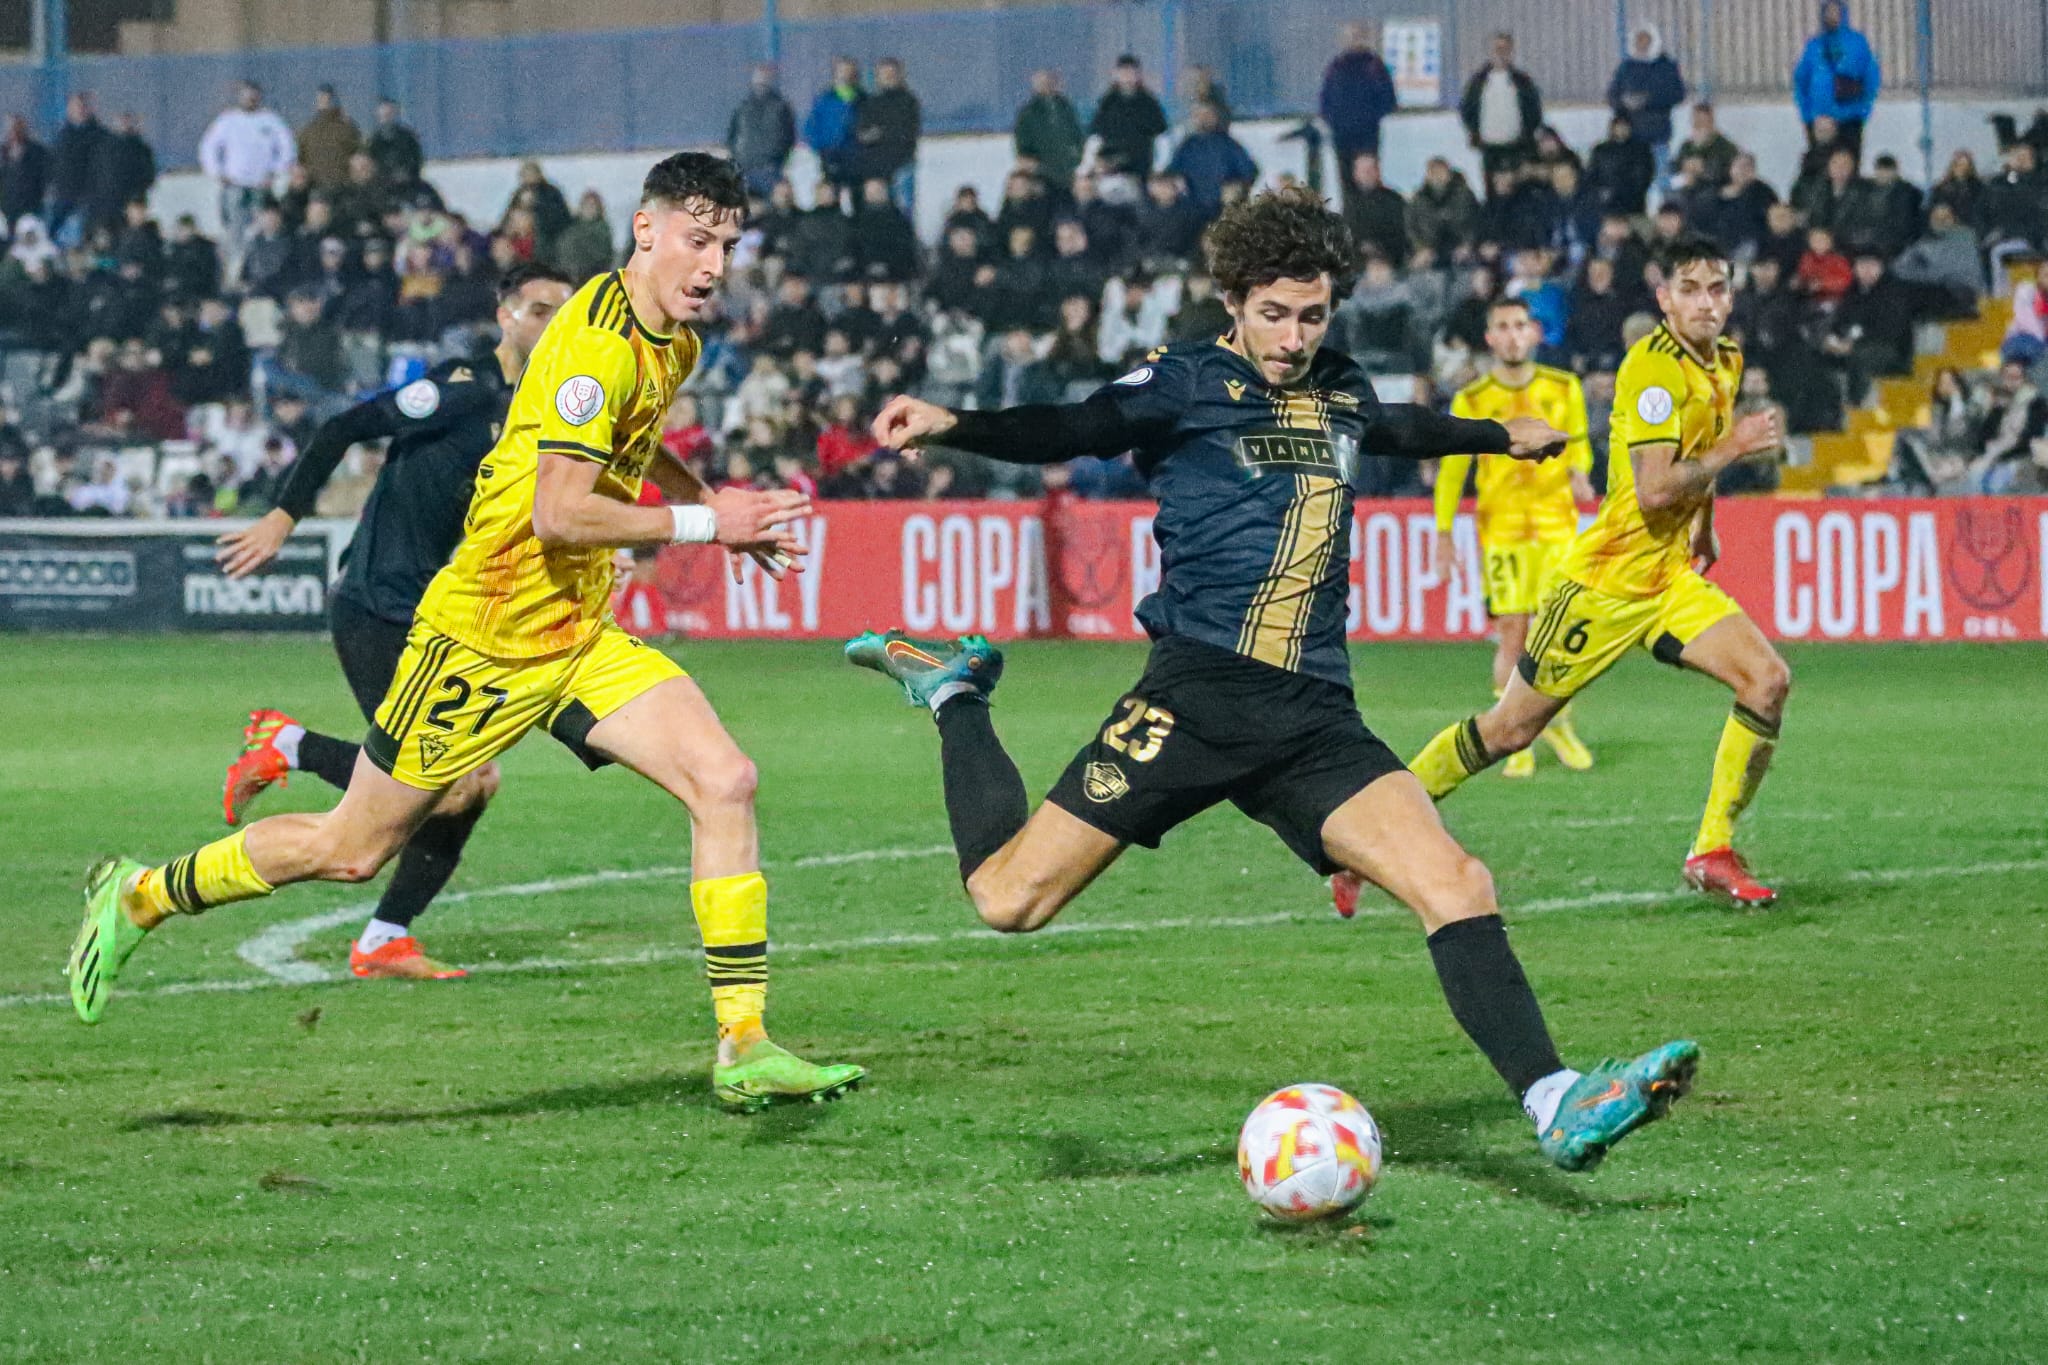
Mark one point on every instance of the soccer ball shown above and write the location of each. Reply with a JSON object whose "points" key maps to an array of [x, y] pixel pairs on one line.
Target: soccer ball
{"points": [[1308, 1152]]}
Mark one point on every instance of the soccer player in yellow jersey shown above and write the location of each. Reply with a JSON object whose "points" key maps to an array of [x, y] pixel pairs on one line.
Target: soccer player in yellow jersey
{"points": [[1527, 512], [1633, 577], [515, 632]]}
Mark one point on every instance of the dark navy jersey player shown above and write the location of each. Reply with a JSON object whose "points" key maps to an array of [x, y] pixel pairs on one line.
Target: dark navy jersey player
{"points": [[1252, 444], [439, 427]]}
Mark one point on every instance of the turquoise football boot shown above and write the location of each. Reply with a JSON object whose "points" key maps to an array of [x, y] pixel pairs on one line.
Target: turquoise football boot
{"points": [[1613, 1100], [922, 667]]}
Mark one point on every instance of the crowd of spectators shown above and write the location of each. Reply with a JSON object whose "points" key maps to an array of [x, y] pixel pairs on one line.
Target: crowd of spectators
{"points": [[341, 270]]}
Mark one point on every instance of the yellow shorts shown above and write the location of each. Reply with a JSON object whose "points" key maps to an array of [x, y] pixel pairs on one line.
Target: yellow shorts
{"points": [[1580, 634], [451, 710], [1517, 572]]}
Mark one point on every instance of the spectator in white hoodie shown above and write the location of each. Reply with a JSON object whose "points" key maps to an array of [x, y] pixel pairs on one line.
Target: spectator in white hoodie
{"points": [[246, 149]]}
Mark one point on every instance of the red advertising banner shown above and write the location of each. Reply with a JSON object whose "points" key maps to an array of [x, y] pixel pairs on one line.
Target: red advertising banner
{"points": [[1893, 569]]}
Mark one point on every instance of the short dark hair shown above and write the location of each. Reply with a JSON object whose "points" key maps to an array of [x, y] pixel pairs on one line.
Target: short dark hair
{"points": [[1506, 302], [1887, 162], [1129, 59], [676, 180], [1689, 248], [525, 273], [1283, 234]]}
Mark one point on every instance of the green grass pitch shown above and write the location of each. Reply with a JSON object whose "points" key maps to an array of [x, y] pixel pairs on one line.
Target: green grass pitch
{"points": [[528, 1164]]}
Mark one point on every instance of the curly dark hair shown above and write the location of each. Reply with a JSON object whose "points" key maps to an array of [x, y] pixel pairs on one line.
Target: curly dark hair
{"points": [[1284, 234], [676, 180]]}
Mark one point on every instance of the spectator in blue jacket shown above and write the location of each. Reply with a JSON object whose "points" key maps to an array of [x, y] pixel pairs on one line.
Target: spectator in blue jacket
{"points": [[828, 128], [1358, 92], [1210, 159], [1647, 86], [1837, 76]]}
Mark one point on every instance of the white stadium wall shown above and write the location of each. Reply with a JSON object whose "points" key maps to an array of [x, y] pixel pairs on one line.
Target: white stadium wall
{"points": [[480, 188]]}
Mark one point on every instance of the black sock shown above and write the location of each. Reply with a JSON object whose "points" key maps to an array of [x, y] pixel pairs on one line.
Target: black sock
{"points": [[1492, 1001], [425, 864], [331, 760], [985, 801]]}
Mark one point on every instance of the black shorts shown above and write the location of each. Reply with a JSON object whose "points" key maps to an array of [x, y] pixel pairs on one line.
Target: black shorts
{"points": [[370, 647], [1205, 725]]}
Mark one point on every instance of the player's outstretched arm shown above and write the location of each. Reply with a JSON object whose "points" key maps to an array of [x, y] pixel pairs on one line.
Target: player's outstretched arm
{"points": [[1663, 480], [241, 553], [679, 485], [1105, 423], [1415, 432], [569, 512]]}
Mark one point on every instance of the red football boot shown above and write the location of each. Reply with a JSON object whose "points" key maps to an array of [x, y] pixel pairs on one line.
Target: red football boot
{"points": [[1344, 894], [258, 765], [1720, 872], [402, 959]]}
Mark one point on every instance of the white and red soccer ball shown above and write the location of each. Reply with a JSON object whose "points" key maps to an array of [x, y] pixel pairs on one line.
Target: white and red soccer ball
{"points": [[1308, 1152]]}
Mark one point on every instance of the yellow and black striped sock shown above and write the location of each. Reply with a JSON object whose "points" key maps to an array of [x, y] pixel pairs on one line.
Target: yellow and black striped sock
{"points": [[214, 875], [732, 917], [1740, 761], [1454, 755]]}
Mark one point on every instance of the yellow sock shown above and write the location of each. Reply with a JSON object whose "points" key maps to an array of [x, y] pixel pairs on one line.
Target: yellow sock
{"points": [[1454, 755], [1744, 754], [214, 875], [732, 916]]}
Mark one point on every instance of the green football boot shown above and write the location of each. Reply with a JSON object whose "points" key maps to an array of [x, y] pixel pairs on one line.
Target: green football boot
{"points": [[105, 941], [1613, 1100], [767, 1074], [923, 667]]}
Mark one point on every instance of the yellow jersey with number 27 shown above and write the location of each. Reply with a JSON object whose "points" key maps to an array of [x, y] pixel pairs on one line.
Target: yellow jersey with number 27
{"points": [[595, 389], [1663, 394]]}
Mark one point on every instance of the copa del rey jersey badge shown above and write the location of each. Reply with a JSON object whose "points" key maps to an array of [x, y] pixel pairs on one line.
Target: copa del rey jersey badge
{"points": [[579, 399]]}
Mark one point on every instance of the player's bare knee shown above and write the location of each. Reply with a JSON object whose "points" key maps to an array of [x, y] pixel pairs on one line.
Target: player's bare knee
{"points": [[1006, 906], [1765, 687], [722, 785], [487, 779], [1464, 890]]}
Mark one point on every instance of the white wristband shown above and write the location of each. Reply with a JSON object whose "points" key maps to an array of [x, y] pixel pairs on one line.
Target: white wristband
{"points": [[696, 524]]}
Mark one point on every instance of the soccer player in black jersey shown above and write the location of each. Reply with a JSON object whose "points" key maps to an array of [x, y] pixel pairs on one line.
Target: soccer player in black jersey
{"points": [[1251, 443], [440, 428]]}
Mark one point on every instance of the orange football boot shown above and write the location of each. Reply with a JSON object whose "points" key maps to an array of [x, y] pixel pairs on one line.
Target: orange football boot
{"points": [[402, 960], [257, 766], [1344, 894], [1721, 872]]}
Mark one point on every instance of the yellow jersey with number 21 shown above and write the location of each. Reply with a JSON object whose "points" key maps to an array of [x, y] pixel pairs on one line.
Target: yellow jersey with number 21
{"points": [[1663, 394], [596, 389], [1520, 501]]}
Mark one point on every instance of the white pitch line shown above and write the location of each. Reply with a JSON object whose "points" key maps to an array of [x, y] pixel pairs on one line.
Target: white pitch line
{"points": [[654, 955], [275, 951]]}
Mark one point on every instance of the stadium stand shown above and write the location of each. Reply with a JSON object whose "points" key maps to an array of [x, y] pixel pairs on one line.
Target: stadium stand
{"points": [[151, 369]]}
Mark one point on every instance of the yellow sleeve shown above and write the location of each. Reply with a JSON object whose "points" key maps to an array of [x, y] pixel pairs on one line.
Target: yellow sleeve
{"points": [[1452, 469], [1647, 396], [1579, 454], [588, 377]]}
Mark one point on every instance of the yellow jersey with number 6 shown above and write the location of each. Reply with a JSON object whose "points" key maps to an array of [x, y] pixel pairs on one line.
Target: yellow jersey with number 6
{"points": [[595, 389], [1520, 501], [1664, 394]]}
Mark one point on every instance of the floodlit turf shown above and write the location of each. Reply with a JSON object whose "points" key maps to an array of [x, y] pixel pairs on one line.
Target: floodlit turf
{"points": [[527, 1164]]}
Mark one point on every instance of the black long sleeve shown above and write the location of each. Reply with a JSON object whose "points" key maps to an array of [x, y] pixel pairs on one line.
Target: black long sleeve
{"points": [[1048, 433], [1414, 432], [322, 455]]}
